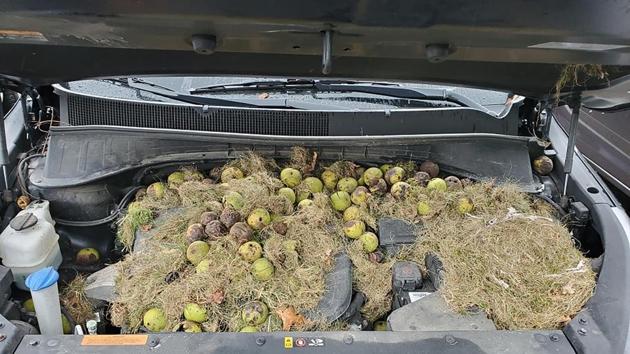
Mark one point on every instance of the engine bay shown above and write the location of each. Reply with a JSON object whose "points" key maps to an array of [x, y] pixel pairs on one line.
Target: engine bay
{"points": [[90, 196]]}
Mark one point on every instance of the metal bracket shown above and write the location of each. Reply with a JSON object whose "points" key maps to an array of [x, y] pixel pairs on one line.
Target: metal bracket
{"points": [[327, 52], [575, 103], [544, 117], [4, 153]]}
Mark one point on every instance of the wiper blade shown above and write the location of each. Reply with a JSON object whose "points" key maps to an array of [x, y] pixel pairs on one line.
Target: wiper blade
{"points": [[162, 91], [376, 88], [159, 90], [258, 85], [281, 84]]}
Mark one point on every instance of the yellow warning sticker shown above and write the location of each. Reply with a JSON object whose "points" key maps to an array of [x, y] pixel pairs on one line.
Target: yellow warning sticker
{"points": [[288, 342], [115, 339]]}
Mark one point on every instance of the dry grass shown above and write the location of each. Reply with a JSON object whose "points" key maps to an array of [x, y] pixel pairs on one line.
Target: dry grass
{"points": [[75, 302], [374, 280], [170, 227], [573, 75], [344, 169], [303, 160], [130, 222], [169, 200], [249, 163], [141, 215], [197, 193], [525, 272], [510, 257], [142, 281], [126, 234], [301, 259], [258, 191], [410, 168], [317, 231]]}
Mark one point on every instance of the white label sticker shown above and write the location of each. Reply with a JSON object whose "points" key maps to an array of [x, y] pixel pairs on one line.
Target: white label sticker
{"points": [[415, 296], [22, 35]]}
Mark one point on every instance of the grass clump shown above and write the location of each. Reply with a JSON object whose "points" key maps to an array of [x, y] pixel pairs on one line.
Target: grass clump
{"points": [[259, 191], [198, 193], [249, 163], [137, 216], [75, 302], [508, 255], [522, 269], [301, 258], [344, 169], [303, 160], [578, 75], [374, 280]]}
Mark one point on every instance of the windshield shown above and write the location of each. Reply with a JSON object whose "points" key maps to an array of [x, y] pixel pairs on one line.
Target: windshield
{"points": [[232, 88]]}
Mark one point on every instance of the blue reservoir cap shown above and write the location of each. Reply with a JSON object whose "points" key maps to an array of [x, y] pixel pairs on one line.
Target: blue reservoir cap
{"points": [[42, 279]]}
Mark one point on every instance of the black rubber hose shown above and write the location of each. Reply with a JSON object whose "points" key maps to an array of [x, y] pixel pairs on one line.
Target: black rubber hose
{"points": [[556, 206], [20, 172]]}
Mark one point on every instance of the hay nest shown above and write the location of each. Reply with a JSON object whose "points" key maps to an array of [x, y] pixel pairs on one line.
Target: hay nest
{"points": [[510, 256], [303, 160], [577, 75], [258, 191], [534, 280], [130, 222], [223, 290], [197, 193], [374, 280], [249, 163], [344, 168], [75, 301], [160, 276]]}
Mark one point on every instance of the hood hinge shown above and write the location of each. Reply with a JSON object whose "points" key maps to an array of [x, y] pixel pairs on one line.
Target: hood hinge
{"points": [[4, 152], [575, 102]]}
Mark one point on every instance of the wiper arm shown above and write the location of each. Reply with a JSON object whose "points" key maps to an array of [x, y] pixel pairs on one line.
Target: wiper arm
{"points": [[281, 84], [382, 89], [159, 90], [376, 88], [253, 85]]}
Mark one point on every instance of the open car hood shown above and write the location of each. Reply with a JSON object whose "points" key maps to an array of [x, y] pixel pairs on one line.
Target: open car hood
{"points": [[513, 45]]}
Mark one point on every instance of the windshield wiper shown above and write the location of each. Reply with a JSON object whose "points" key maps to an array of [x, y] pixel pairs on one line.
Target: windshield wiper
{"points": [[376, 88], [281, 84], [163, 91]]}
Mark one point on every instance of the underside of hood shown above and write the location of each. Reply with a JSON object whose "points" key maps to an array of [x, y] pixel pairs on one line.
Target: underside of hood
{"points": [[517, 46]]}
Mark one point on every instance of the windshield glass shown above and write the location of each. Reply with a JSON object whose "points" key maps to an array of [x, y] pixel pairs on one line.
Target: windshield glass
{"points": [[305, 97]]}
